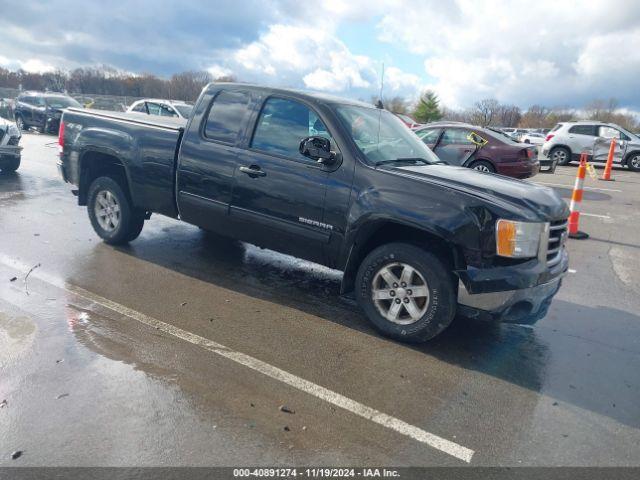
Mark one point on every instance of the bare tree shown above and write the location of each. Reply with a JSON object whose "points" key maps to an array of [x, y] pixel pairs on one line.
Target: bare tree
{"points": [[485, 112]]}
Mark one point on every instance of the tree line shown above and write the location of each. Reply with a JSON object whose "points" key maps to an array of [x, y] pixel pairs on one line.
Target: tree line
{"points": [[490, 112], [109, 81], [187, 85]]}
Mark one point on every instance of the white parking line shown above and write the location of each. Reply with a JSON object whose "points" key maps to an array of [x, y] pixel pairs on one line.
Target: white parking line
{"points": [[585, 188], [594, 215], [571, 270], [334, 398]]}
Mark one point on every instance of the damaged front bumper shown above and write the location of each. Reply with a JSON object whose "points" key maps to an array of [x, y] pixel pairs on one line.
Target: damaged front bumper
{"points": [[491, 296]]}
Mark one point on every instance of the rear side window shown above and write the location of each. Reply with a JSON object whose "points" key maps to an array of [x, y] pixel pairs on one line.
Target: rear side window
{"points": [[282, 126], [455, 136], [226, 115], [583, 130], [556, 127]]}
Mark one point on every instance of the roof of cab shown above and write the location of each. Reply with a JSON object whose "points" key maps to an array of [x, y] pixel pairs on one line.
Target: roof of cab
{"points": [[304, 94]]}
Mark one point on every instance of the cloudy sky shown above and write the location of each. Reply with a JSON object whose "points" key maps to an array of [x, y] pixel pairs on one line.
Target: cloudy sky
{"points": [[557, 52]]}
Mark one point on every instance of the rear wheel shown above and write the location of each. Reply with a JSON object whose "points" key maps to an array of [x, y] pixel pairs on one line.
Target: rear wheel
{"points": [[406, 292], [482, 166], [111, 212], [633, 162], [561, 155], [10, 165]]}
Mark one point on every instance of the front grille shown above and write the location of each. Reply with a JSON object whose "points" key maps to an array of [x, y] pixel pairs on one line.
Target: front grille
{"points": [[14, 141], [557, 238]]}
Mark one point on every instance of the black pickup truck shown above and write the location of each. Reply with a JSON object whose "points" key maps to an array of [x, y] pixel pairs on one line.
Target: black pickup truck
{"points": [[334, 181]]}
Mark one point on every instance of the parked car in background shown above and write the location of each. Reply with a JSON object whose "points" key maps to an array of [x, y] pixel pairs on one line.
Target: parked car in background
{"points": [[567, 140], [337, 182], [532, 138], [9, 146], [162, 108], [42, 110], [480, 148], [517, 134], [408, 121], [6, 109]]}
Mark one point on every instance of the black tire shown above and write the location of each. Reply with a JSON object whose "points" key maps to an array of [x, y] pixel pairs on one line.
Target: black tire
{"points": [[563, 155], [633, 162], [9, 165], [483, 166], [131, 220], [441, 305]]}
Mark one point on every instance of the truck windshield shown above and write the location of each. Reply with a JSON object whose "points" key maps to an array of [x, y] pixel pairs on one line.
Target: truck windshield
{"points": [[382, 137]]}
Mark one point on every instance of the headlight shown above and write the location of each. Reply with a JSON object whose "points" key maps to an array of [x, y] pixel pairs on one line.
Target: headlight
{"points": [[518, 239]]}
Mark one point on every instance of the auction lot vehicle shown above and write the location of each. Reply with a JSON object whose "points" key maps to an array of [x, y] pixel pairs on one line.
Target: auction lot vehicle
{"points": [[163, 108], [9, 146], [533, 138], [480, 149], [336, 182], [41, 110], [567, 140]]}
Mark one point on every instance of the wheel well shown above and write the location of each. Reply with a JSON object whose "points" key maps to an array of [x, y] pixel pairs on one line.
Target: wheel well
{"points": [[471, 161], [98, 164], [629, 155], [561, 146], [388, 232]]}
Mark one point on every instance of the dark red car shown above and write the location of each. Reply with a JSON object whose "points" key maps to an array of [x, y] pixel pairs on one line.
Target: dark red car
{"points": [[481, 149]]}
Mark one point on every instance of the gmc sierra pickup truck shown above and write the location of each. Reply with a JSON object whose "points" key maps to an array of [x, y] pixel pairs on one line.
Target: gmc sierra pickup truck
{"points": [[336, 182]]}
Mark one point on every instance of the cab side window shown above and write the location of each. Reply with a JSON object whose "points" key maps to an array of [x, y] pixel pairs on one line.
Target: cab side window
{"points": [[282, 125], [226, 116]]}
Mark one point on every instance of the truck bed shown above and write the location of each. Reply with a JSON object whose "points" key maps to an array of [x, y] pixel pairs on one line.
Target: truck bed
{"points": [[145, 145], [172, 123]]}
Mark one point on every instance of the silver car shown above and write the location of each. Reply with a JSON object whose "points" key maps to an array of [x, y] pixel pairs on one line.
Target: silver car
{"points": [[567, 140]]}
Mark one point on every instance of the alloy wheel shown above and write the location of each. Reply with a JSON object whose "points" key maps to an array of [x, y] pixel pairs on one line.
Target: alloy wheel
{"points": [[400, 293], [107, 210]]}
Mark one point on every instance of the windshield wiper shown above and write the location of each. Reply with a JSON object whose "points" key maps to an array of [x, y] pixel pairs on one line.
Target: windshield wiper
{"points": [[409, 160]]}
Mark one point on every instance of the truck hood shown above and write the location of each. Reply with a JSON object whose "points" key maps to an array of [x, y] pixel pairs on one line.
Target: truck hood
{"points": [[522, 198]]}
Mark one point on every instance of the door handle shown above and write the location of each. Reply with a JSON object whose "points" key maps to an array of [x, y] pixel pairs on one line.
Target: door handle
{"points": [[253, 171]]}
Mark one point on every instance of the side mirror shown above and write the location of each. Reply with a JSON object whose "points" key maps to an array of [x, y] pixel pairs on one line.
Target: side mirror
{"points": [[317, 148]]}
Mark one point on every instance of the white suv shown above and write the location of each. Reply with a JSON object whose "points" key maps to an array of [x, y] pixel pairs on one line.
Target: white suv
{"points": [[567, 140]]}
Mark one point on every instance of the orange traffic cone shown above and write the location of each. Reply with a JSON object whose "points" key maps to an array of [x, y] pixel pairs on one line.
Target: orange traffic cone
{"points": [[609, 165], [576, 199]]}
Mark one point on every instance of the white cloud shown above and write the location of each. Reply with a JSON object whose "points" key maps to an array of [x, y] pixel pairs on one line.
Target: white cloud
{"points": [[32, 65], [312, 57], [520, 51]]}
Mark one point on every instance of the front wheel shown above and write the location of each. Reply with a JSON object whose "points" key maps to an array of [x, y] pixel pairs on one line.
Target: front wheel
{"points": [[634, 162], [112, 215], [406, 292]]}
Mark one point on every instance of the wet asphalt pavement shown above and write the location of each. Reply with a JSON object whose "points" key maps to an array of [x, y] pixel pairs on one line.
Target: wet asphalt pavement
{"points": [[89, 380]]}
